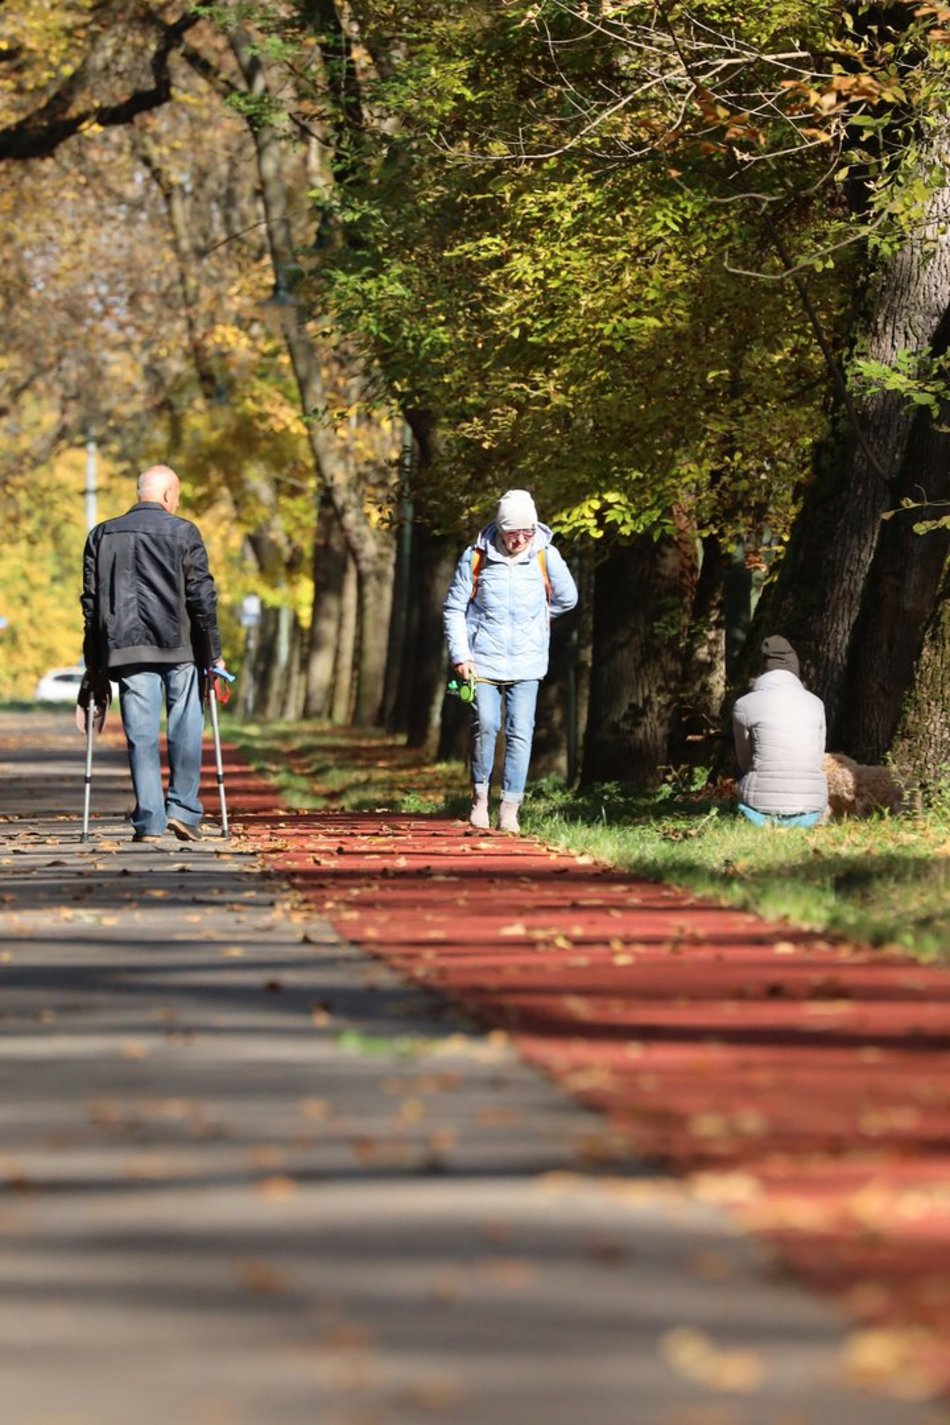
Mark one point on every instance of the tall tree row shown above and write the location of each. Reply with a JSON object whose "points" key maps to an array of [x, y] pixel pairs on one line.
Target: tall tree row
{"points": [[679, 272]]}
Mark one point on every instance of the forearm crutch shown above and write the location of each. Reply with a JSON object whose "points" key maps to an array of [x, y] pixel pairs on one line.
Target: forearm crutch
{"points": [[214, 673], [87, 790], [92, 707]]}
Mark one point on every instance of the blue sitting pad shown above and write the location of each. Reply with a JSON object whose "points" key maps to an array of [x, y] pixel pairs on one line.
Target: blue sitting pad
{"points": [[760, 818]]}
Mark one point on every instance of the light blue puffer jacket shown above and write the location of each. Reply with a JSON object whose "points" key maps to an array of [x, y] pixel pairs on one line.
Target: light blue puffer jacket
{"points": [[505, 630]]}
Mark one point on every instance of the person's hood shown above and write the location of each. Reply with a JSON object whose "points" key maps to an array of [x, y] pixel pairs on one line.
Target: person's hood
{"points": [[775, 680], [485, 540]]}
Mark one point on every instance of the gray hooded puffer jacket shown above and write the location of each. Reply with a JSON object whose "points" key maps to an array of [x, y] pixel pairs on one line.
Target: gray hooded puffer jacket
{"points": [[779, 732]]}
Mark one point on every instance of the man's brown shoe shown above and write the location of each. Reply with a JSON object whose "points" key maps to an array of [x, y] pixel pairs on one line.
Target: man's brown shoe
{"points": [[183, 830], [146, 836]]}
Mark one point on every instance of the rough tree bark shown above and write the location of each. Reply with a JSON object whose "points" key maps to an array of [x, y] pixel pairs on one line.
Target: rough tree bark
{"points": [[554, 735], [636, 663], [901, 589], [368, 547], [424, 667], [921, 749], [344, 668], [329, 572], [583, 658], [275, 665], [817, 597]]}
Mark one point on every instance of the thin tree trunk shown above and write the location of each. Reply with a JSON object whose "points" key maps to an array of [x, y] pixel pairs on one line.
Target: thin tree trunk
{"points": [[266, 672], [550, 752], [329, 573], [554, 749], [636, 663], [921, 750], [455, 731], [333, 465], [435, 559], [291, 703], [584, 658], [695, 730], [375, 596], [392, 713], [344, 672]]}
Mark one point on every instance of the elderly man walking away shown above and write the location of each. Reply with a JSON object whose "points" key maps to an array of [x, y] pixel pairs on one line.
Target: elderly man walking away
{"points": [[150, 615], [779, 733]]}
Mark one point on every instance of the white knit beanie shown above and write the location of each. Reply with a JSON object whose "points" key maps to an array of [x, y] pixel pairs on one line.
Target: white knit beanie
{"points": [[516, 511]]}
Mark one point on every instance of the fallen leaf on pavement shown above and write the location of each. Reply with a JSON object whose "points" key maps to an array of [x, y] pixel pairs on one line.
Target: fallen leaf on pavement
{"points": [[262, 1279], [694, 1356], [892, 1360], [276, 1188]]}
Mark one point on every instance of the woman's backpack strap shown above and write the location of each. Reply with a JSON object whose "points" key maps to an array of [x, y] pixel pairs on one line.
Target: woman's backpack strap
{"points": [[543, 561], [478, 559]]}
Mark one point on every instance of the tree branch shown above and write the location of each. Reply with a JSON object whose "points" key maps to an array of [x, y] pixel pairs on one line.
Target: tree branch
{"points": [[41, 133]]}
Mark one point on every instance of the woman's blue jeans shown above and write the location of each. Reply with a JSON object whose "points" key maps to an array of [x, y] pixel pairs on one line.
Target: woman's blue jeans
{"points": [[142, 691], [520, 700]]}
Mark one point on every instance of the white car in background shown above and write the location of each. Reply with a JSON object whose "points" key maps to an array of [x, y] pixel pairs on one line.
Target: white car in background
{"points": [[59, 685]]}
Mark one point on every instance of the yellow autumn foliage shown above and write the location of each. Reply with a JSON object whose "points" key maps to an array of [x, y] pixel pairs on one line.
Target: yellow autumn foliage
{"points": [[44, 521], [47, 40]]}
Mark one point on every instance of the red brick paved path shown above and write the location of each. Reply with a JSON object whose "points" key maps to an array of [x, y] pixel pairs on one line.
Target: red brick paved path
{"points": [[805, 1085]]}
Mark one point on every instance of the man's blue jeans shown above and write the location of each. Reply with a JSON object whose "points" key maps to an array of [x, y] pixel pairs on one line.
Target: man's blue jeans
{"points": [[142, 690], [520, 700]]}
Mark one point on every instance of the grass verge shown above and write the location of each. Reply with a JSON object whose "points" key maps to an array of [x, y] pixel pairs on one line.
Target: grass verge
{"points": [[884, 881]]}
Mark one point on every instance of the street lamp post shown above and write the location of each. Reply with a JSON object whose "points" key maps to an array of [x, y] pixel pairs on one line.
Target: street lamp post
{"points": [[92, 518]]}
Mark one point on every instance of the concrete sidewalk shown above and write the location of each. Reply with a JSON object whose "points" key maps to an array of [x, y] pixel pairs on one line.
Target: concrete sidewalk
{"points": [[252, 1178]]}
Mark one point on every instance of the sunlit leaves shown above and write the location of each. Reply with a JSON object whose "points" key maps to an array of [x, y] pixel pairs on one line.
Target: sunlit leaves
{"points": [[576, 324]]}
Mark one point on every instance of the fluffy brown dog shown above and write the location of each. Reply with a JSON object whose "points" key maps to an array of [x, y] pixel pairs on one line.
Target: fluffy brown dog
{"points": [[857, 790]]}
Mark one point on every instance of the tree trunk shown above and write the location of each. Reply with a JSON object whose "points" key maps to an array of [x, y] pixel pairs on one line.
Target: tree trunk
{"points": [[901, 589], [921, 750], [332, 462], [329, 573], [425, 668], [401, 675], [817, 597], [344, 672], [584, 659], [374, 598], [246, 705], [400, 619], [696, 728], [554, 733], [636, 663], [292, 691], [273, 671], [554, 751], [455, 731]]}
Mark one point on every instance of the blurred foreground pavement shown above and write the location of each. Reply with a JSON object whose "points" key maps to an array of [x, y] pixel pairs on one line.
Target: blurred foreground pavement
{"points": [[251, 1178]]}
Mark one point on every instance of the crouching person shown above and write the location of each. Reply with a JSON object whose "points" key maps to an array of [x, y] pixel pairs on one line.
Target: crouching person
{"points": [[507, 587], [779, 733]]}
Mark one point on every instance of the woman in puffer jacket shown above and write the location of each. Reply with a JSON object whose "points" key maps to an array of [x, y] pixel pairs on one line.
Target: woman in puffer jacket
{"points": [[507, 587]]}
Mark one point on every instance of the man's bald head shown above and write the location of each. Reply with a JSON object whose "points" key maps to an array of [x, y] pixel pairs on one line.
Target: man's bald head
{"points": [[161, 484]]}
